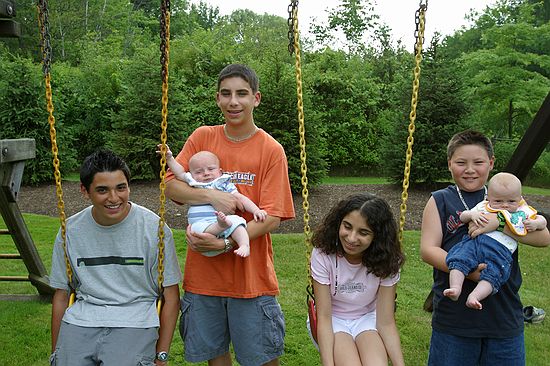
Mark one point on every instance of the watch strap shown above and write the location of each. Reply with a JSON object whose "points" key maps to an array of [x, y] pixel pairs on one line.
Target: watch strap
{"points": [[228, 245]]}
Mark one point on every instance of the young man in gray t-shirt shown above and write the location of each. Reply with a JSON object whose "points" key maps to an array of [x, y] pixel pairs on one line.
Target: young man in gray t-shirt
{"points": [[112, 248]]}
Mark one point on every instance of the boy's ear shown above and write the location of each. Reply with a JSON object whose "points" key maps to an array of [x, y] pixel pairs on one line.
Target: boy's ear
{"points": [[83, 190], [257, 98], [492, 163]]}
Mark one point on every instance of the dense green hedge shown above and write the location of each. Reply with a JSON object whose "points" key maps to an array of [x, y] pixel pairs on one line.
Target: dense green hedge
{"points": [[107, 92]]}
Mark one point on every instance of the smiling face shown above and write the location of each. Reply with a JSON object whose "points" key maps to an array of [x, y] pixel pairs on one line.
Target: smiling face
{"points": [[470, 166], [109, 193], [355, 236], [237, 101]]}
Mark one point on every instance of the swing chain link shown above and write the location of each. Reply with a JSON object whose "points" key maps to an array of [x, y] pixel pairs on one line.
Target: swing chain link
{"points": [[165, 61], [45, 46], [421, 21], [291, 21]]}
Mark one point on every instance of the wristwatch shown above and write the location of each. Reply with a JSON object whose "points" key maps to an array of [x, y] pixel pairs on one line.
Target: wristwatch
{"points": [[162, 356], [228, 245]]}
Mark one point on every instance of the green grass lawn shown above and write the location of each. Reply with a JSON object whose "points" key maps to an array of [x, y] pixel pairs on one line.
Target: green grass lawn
{"points": [[24, 326], [381, 180]]}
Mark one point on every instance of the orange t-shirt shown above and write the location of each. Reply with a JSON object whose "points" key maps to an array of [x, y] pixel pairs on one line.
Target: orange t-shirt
{"points": [[259, 169]]}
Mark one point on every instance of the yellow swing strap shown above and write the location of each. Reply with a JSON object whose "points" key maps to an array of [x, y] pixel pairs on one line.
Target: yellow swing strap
{"points": [[165, 61], [294, 48], [45, 46], [420, 18]]}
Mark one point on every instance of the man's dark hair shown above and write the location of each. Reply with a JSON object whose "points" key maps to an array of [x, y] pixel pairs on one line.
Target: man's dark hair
{"points": [[101, 161], [242, 71]]}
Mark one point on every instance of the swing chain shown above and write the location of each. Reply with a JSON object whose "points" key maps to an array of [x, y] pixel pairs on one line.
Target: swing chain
{"points": [[421, 14], [45, 46], [291, 21], [165, 60], [294, 48], [164, 36]]}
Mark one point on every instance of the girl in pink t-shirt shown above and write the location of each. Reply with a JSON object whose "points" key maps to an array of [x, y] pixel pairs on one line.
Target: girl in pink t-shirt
{"points": [[355, 267]]}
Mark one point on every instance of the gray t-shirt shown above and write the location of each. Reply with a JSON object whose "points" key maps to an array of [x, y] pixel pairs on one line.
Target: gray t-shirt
{"points": [[115, 269]]}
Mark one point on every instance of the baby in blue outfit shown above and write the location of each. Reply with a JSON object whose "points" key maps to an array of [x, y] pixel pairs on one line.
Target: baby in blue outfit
{"points": [[494, 248], [205, 172]]}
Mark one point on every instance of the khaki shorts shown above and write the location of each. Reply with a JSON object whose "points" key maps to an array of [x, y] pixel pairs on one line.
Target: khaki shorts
{"points": [[85, 346]]}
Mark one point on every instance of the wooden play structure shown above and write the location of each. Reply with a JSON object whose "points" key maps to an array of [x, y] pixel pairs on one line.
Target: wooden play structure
{"points": [[8, 26], [532, 144], [13, 154]]}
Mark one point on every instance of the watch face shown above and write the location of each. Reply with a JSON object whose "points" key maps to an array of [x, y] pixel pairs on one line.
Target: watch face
{"points": [[162, 356]]}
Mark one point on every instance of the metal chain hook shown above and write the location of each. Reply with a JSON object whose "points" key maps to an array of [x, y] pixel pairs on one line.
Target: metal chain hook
{"points": [[45, 38], [420, 13], [291, 21]]}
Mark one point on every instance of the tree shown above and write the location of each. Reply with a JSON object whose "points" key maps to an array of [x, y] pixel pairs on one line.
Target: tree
{"points": [[510, 75], [23, 115], [439, 113], [353, 18], [136, 127]]}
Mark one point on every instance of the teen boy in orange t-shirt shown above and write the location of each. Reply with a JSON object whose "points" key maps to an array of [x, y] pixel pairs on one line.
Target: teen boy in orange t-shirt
{"points": [[228, 294]]}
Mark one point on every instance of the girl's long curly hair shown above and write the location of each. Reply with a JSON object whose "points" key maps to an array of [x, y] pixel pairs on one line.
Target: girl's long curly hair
{"points": [[384, 257]]}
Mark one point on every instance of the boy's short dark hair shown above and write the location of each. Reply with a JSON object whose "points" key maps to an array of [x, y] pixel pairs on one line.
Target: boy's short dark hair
{"points": [[469, 137], [242, 71], [101, 161]]}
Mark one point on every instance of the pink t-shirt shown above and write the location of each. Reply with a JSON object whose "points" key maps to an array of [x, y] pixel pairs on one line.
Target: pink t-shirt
{"points": [[355, 289]]}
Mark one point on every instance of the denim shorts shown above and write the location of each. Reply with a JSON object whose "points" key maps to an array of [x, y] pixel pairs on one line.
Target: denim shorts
{"points": [[255, 327], [468, 254], [450, 350], [86, 346]]}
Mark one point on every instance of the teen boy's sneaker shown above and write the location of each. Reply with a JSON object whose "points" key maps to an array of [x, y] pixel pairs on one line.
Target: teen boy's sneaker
{"points": [[533, 315]]}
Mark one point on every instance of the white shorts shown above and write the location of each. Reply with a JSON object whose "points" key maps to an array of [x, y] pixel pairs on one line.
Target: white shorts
{"points": [[353, 327]]}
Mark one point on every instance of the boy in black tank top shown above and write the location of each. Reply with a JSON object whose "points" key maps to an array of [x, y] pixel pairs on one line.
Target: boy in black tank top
{"points": [[461, 335]]}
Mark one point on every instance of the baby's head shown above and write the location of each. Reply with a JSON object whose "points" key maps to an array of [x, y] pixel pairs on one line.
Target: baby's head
{"points": [[504, 192], [204, 167]]}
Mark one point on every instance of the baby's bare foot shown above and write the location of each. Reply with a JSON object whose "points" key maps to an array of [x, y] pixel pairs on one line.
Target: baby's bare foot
{"points": [[474, 303], [452, 293], [223, 221], [243, 251]]}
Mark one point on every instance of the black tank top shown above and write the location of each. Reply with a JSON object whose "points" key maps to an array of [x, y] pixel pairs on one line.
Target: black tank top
{"points": [[502, 314]]}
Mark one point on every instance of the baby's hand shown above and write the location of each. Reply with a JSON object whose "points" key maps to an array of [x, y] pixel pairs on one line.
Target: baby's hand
{"points": [[530, 225], [479, 219], [533, 225], [168, 152], [260, 215]]}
